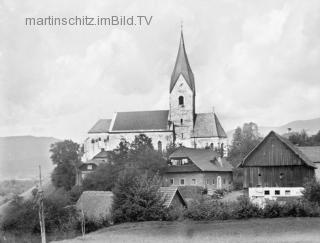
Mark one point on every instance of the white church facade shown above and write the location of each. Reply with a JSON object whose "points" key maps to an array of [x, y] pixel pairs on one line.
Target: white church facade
{"points": [[180, 124]]}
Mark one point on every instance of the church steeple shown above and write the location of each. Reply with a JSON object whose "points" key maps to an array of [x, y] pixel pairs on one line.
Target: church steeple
{"points": [[182, 67]]}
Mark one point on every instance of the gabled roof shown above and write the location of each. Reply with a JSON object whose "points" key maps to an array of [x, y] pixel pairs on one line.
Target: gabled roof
{"points": [[312, 152], [101, 126], [141, 121], [182, 67], [208, 125], [169, 193], [95, 204], [287, 143], [103, 154], [204, 159]]}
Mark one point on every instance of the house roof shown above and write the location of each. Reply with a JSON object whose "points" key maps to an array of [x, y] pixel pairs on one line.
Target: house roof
{"points": [[103, 154], [208, 125], [287, 143], [95, 204], [169, 193], [182, 67], [312, 152], [101, 126], [203, 159], [141, 121]]}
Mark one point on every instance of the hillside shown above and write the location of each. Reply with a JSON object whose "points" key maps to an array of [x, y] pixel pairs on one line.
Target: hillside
{"points": [[20, 156], [312, 126]]}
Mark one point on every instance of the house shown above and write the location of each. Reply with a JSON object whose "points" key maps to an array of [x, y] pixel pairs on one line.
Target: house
{"points": [[276, 162], [172, 197], [199, 167], [89, 166], [313, 153], [95, 205], [180, 124]]}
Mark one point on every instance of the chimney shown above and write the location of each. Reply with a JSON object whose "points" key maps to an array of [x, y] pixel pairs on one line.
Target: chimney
{"points": [[219, 161]]}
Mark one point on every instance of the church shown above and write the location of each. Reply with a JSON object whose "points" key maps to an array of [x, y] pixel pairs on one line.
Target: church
{"points": [[180, 124]]}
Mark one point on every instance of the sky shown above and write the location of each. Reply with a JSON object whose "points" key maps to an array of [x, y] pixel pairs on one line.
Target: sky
{"points": [[252, 61]]}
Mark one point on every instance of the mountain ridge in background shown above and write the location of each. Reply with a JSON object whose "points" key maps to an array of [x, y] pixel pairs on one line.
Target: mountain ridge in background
{"points": [[312, 126], [20, 156]]}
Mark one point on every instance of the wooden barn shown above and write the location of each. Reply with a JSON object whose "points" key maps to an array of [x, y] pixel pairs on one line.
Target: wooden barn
{"points": [[276, 162]]}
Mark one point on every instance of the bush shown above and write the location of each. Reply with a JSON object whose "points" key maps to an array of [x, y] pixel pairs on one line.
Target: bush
{"points": [[137, 199], [244, 209], [312, 191]]}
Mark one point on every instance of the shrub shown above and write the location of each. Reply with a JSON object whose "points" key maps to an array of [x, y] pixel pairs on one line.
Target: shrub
{"points": [[244, 209], [312, 191], [137, 199]]}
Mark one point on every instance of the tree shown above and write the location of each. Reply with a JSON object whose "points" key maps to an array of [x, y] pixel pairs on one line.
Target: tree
{"points": [[102, 179], [66, 156], [303, 139], [244, 140], [137, 198]]}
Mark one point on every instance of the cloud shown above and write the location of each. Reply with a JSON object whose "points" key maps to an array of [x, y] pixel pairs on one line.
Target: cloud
{"points": [[252, 61]]}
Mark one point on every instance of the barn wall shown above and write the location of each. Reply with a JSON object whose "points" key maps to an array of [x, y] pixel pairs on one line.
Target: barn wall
{"points": [[272, 152], [293, 176]]}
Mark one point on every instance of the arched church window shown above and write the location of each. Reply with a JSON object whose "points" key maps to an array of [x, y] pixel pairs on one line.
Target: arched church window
{"points": [[181, 121], [160, 146], [181, 100]]}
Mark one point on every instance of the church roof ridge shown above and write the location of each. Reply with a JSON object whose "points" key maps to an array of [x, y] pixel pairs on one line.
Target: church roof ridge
{"points": [[182, 67]]}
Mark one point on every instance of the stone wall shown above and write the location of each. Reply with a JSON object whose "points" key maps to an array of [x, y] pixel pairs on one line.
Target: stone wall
{"points": [[185, 112]]}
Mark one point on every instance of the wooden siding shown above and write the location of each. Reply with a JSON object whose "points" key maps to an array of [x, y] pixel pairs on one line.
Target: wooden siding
{"points": [[292, 176], [273, 152]]}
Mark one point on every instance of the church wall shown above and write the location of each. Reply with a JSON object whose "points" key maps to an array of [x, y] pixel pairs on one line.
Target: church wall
{"points": [[206, 142], [93, 145], [185, 112], [165, 138]]}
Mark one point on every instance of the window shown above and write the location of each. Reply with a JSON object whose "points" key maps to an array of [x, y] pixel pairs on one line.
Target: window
{"points": [[213, 181], [181, 100], [207, 181], [159, 146], [181, 121], [287, 192], [266, 192], [281, 176], [181, 135], [171, 181], [194, 181], [224, 181], [181, 181], [211, 145], [277, 192], [89, 167]]}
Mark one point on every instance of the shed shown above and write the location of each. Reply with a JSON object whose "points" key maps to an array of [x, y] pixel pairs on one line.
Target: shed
{"points": [[313, 153], [276, 162], [96, 205], [172, 197]]}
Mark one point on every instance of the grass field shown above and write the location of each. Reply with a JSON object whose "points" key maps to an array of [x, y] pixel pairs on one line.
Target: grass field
{"points": [[243, 231]]}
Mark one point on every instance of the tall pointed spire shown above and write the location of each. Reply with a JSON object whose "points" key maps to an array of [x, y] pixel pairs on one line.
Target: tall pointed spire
{"points": [[182, 67]]}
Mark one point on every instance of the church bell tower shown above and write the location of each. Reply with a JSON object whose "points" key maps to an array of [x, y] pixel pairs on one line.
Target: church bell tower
{"points": [[182, 97]]}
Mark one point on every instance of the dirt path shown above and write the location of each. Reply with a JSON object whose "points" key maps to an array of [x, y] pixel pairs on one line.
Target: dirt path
{"points": [[246, 231]]}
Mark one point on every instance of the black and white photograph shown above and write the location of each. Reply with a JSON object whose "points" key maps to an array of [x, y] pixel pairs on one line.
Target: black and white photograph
{"points": [[173, 121]]}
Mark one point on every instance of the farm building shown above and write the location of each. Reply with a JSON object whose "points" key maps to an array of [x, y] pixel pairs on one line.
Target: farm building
{"points": [[95, 205], [199, 167], [313, 153], [172, 197], [276, 162]]}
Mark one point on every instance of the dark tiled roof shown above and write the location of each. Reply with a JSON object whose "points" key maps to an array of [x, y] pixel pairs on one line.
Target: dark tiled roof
{"points": [[208, 125], [141, 121], [204, 159], [288, 144], [169, 193], [312, 152], [182, 67], [103, 154], [95, 204], [101, 126]]}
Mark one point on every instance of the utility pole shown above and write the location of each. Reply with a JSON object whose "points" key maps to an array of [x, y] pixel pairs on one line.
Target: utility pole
{"points": [[41, 209]]}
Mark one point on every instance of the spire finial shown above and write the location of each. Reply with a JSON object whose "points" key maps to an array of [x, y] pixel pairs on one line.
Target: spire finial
{"points": [[181, 25]]}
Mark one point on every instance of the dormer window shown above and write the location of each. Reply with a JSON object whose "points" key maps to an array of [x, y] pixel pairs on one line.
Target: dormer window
{"points": [[181, 100]]}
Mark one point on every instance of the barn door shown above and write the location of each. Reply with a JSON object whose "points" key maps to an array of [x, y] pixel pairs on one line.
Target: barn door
{"points": [[219, 182]]}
